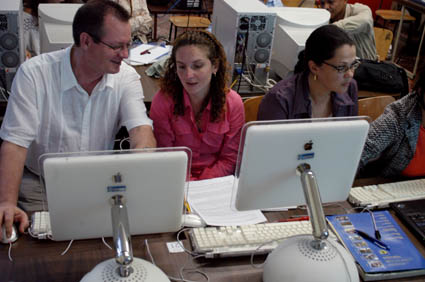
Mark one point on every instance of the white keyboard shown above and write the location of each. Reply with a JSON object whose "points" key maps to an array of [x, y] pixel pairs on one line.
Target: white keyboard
{"points": [[243, 240], [383, 194], [40, 225]]}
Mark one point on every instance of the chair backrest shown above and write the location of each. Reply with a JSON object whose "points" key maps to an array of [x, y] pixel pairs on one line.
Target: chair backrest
{"points": [[374, 106], [292, 3], [383, 39], [251, 108]]}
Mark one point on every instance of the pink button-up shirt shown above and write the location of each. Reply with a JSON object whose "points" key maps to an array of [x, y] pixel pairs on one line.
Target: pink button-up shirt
{"points": [[214, 151]]}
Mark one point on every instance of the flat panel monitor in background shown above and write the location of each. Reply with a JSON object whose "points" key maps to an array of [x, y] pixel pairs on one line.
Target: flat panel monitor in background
{"points": [[270, 152], [293, 27], [79, 187], [55, 25]]}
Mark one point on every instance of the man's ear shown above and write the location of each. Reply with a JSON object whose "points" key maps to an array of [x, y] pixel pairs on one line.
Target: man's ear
{"points": [[85, 40]]}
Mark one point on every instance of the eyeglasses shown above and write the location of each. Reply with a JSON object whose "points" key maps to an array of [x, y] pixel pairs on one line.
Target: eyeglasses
{"points": [[343, 69], [115, 48]]}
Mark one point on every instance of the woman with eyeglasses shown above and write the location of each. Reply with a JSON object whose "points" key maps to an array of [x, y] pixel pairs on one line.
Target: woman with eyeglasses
{"points": [[322, 84], [395, 145]]}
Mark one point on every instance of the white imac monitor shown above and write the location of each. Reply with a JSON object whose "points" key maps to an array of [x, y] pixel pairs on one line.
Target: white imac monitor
{"points": [[270, 151], [293, 162], [55, 25], [80, 186], [293, 27]]}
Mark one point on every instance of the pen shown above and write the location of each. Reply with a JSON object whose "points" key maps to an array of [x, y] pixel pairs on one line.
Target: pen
{"points": [[160, 56], [301, 218], [147, 50], [377, 233], [186, 204], [377, 242]]}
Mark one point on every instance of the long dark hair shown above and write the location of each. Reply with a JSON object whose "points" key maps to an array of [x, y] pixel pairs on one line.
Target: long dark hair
{"points": [[171, 84], [321, 46]]}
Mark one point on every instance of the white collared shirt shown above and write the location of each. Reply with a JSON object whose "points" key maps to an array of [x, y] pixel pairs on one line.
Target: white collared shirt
{"points": [[48, 111]]}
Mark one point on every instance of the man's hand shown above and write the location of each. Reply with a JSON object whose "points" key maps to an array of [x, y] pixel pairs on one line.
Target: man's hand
{"points": [[10, 213]]}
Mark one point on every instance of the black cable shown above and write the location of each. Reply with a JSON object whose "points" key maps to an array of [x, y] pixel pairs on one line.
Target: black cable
{"points": [[2, 80], [243, 59]]}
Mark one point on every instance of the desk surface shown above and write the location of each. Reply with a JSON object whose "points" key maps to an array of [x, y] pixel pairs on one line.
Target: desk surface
{"points": [[419, 5], [150, 85], [36, 260]]}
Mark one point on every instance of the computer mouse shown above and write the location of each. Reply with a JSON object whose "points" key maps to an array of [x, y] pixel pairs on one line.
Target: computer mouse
{"points": [[192, 220], [13, 237]]}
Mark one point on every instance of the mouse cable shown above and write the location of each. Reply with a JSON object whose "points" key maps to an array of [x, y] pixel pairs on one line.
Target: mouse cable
{"points": [[193, 270], [67, 248], [194, 256], [181, 243], [105, 243], [180, 270], [122, 142], [9, 252], [265, 243]]}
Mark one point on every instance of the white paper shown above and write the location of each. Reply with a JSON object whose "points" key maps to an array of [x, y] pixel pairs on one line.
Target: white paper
{"points": [[135, 58], [211, 200]]}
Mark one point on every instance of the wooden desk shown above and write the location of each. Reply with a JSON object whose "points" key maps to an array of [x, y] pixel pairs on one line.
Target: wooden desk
{"points": [[36, 260], [155, 10], [150, 85], [419, 6]]}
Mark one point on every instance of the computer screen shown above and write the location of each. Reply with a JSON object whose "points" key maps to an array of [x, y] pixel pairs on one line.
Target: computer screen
{"points": [[55, 25], [271, 151], [293, 27], [79, 188]]}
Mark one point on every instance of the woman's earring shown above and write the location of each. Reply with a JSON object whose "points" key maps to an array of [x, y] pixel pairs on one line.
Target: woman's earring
{"points": [[315, 77]]}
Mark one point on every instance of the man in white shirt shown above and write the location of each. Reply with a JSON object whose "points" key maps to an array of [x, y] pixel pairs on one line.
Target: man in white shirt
{"points": [[70, 100], [356, 19]]}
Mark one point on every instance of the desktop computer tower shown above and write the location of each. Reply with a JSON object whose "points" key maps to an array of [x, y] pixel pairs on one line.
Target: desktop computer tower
{"points": [[12, 52], [246, 30]]}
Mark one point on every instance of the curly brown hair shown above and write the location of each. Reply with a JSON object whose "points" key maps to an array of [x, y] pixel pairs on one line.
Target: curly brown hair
{"points": [[172, 85]]}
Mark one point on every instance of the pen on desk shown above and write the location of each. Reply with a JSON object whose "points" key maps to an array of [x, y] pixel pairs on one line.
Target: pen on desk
{"points": [[147, 51], [377, 242], [186, 204], [377, 233], [160, 56], [301, 218]]}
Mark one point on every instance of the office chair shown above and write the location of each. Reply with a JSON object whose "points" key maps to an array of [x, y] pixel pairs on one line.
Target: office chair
{"points": [[374, 106], [187, 22], [383, 39], [251, 108]]}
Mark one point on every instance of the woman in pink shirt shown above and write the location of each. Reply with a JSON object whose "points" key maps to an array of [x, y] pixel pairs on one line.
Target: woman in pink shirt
{"points": [[195, 108]]}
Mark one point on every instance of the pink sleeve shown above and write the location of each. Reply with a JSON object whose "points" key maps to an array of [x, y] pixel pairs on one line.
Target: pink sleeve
{"points": [[161, 113], [226, 162]]}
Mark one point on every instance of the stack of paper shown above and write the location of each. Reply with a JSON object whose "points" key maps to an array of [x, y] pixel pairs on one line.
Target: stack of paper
{"points": [[212, 200], [147, 54]]}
